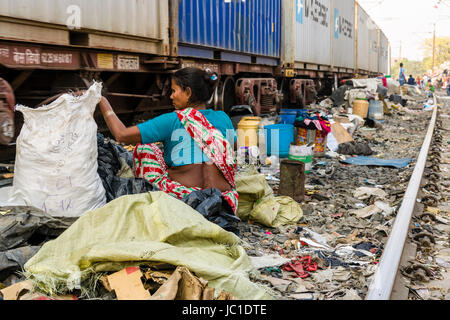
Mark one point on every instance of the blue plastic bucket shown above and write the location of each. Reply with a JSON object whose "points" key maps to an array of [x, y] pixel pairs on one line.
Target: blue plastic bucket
{"points": [[288, 116], [278, 139]]}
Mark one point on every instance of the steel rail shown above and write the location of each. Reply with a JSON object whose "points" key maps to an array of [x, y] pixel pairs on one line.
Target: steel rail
{"points": [[383, 282]]}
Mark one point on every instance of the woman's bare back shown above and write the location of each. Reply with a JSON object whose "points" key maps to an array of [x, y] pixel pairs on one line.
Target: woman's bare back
{"points": [[204, 176]]}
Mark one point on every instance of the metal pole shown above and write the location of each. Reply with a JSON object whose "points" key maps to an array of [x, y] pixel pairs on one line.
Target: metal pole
{"points": [[434, 47], [383, 282]]}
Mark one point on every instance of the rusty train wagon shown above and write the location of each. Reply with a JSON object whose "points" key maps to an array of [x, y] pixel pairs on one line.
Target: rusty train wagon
{"points": [[266, 52], [52, 46]]}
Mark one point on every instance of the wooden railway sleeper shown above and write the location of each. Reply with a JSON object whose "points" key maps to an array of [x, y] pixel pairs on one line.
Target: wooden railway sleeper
{"points": [[417, 272], [436, 149], [430, 201], [433, 177], [425, 239], [428, 217], [435, 155], [433, 167], [432, 187], [436, 168], [436, 161]]}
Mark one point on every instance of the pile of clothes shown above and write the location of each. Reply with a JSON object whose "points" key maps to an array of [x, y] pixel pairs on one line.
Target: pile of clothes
{"points": [[313, 120]]}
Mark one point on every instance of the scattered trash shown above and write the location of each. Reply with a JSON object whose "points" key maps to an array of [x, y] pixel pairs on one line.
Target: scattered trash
{"points": [[273, 260], [301, 267], [353, 148], [363, 193]]}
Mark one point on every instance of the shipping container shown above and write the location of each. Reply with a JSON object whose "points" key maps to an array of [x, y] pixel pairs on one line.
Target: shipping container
{"points": [[307, 33], [343, 36], [363, 39], [383, 64], [373, 46], [230, 30], [135, 26]]}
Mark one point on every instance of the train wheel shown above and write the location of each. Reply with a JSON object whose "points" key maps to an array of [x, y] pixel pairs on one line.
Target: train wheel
{"points": [[226, 95], [6, 126], [7, 102]]}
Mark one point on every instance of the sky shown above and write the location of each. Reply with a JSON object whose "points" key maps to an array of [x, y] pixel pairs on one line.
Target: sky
{"points": [[407, 23]]}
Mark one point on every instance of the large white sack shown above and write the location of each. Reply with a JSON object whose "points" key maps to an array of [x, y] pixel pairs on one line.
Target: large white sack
{"points": [[56, 157]]}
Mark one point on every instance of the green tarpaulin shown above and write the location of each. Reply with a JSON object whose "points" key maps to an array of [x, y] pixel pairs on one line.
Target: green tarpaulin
{"points": [[132, 230]]}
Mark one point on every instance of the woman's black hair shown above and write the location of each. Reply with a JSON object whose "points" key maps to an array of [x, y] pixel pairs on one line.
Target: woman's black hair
{"points": [[202, 83]]}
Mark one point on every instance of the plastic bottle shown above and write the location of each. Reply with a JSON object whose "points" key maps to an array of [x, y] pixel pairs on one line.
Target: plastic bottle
{"points": [[274, 163]]}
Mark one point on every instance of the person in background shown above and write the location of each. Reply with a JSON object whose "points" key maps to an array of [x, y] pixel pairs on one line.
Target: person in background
{"points": [[411, 80], [418, 81], [425, 81], [402, 76], [430, 89], [448, 85], [198, 151]]}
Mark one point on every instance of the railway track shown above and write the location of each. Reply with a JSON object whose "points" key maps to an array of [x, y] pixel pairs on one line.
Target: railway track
{"points": [[383, 256], [416, 253]]}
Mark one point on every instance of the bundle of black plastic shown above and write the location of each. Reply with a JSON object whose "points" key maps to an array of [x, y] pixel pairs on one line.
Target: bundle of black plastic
{"points": [[214, 208], [109, 165]]}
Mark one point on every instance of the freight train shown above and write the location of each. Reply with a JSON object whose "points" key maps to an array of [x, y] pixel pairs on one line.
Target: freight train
{"points": [[268, 53]]}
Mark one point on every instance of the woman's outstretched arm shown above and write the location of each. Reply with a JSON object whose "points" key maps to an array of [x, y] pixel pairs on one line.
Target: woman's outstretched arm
{"points": [[121, 133]]}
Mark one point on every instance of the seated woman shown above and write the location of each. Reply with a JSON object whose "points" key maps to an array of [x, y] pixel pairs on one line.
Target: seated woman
{"points": [[197, 153]]}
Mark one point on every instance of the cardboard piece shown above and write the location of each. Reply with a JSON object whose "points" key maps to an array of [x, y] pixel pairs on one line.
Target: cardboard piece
{"points": [[340, 134], [157, 276], [127, 284], [105, 283], [7, 176], [169, 290], [341, 119], [13, 292], [225, 296], [182, 285], [208, 294]]}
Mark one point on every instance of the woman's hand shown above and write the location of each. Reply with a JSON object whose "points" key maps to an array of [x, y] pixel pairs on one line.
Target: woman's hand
{"points": [[120, 132]]}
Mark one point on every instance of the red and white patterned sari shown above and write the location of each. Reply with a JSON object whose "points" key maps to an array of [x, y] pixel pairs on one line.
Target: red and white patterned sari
{"points": [[149, 161]]}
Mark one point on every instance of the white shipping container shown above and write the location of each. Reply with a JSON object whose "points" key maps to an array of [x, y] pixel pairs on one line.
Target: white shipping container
{"points": [[383, 64], [363, 39], [373, 46], [307, 32], [139, 20], [343, 35]]}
